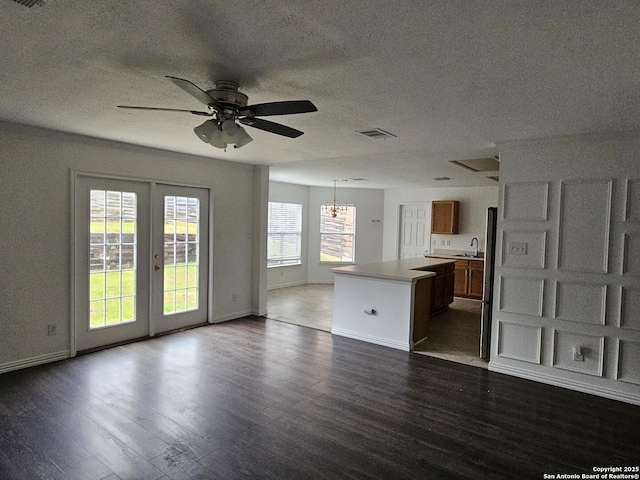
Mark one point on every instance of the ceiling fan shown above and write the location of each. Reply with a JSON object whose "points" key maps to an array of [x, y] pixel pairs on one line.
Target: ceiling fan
{"points": [[227, 105]]}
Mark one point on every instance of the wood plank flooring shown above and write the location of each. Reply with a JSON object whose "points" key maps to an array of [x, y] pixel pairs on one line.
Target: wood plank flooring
{"points": [[308, 305], [257, 398]]}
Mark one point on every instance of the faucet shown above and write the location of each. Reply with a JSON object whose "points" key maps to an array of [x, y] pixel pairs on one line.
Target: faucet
{"points": [[477, 248]]}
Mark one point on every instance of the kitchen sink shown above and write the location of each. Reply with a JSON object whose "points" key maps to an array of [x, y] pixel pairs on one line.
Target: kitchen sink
{"points": [[468, 255]]}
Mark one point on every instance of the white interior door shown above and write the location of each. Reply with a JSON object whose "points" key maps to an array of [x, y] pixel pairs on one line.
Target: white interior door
{"points": [[112, 231], [413, 231], [180, 257], [135, 275]]}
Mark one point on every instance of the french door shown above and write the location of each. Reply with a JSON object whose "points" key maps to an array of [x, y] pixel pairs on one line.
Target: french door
{"points": [[141, 259]]}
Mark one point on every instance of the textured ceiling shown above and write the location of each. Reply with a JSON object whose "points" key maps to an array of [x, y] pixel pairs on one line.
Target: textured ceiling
{"points": [[449, 78]]}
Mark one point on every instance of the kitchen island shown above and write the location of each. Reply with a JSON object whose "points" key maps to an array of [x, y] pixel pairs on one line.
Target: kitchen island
{"points": [[390, 303]]}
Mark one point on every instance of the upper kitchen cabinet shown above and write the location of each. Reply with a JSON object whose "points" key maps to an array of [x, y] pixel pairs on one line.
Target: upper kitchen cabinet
{"points": [[444, 216]]}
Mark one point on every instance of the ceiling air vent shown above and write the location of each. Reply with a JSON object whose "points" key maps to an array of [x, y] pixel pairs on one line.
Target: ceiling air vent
{"points": [[376, 133], [30, 3]]}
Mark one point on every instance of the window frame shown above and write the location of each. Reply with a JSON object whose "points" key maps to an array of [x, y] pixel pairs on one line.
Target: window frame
{"points": [[352, 235], [281, 260]]}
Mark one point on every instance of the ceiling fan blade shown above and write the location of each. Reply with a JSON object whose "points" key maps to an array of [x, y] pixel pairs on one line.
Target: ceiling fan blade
{"points": [[279, 108], [194, 112], [196, 92], [271, 127]]}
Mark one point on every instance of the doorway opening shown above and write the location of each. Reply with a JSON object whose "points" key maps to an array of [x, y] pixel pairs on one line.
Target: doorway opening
{"points": [[453, 334], [309, 305]]}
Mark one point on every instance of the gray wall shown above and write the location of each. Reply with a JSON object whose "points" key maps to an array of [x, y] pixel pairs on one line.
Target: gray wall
{"points": [[369, 212], [35, 205]]}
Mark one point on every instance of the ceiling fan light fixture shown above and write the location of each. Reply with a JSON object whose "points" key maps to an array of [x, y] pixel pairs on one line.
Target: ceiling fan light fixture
{"points": [[244, 138], [206, 130], [217, 140], [230, 131], [227, 105]]}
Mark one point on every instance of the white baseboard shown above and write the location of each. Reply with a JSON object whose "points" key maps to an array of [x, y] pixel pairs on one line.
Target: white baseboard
{"points": [[371, 339], [566, 383], [297, 284], [33, 361], [232, 316], [285, 285]]}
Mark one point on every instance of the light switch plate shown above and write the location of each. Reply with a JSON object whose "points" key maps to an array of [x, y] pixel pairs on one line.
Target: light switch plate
{"points": [[517, 248]]}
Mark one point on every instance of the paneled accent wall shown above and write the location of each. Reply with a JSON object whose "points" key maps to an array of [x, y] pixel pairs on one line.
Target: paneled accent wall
{"points": [[532, 256], [581, 302], [631, 263], [591, 348], [525, 201], [585, 209], [632, 207], [630, 310], [519, 342], [628, 361], [521, 295], [567, 288]]}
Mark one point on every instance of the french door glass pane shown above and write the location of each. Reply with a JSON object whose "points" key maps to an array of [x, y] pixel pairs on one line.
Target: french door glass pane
{"points": [[181, 254], [112, 258]]}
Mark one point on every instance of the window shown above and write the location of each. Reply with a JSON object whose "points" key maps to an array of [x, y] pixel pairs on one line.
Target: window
{"points": [[284, 234], [112, 258], [338, 236], [181, 229]]}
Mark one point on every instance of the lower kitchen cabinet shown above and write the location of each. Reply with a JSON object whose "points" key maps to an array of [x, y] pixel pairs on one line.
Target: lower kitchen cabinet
{"points": [[469, 278], [442, 287], [476, 279]]}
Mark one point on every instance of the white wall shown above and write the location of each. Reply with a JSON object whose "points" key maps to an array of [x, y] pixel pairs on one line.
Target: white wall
{"points": [[474, 202], [575, 203], [35, 218], [369, 213], [290, 275]]}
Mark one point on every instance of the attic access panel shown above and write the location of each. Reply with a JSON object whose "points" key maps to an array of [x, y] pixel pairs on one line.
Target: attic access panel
{"points": [[479, 164]]}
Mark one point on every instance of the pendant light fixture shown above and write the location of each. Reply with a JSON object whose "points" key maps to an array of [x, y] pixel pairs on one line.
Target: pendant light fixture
{"points": [[334, 208]]}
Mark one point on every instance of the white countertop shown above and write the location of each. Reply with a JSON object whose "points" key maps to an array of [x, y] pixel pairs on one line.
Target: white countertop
{"points": [[456, 256], [398, 270]]}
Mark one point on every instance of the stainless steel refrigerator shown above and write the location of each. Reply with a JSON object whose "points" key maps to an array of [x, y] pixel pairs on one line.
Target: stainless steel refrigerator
{"points": [[489, 270]]}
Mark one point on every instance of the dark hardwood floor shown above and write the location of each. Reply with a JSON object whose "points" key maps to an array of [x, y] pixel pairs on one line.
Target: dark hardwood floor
{"points": [[257, 398]]}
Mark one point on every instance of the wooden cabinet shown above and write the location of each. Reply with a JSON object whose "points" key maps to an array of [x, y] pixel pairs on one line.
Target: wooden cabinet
{"points": [[449, 280], [441, 287], [469, 278], [444, 216], [464, 279], [476, 278], [461, 284]]}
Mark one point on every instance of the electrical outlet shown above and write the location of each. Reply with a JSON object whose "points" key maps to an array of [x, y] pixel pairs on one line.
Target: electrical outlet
{"points": [[234, 297], [448, 243], [52, 329], [578, 356], [442, 243], [517, 248]]}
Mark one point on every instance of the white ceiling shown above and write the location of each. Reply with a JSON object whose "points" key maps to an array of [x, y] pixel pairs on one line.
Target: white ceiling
{"points": [[449, 78]]}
